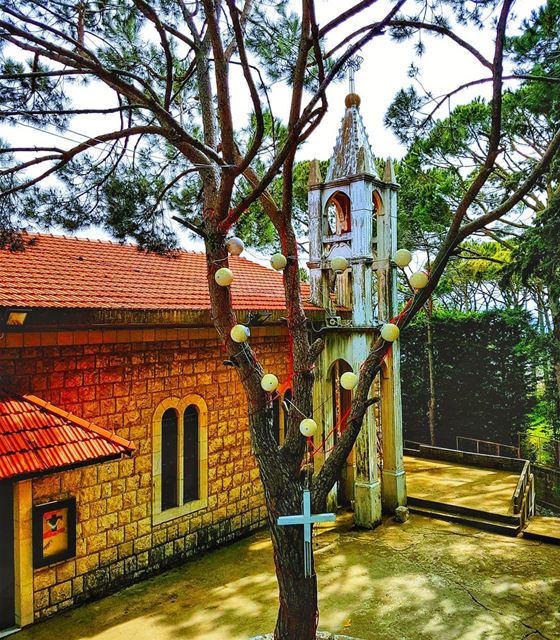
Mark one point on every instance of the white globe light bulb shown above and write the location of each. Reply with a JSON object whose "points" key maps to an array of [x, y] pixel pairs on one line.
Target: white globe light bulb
{"points": [[418, 280], [269, 382], [224, 277], [348, 380], [390, 332], [308, 427], [339, 264], [278, 261], [402, 258], [240, 333], [235, 246]]}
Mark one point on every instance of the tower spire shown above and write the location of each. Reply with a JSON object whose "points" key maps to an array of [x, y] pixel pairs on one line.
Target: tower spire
{"points": [[352, 154], [354, 63]]}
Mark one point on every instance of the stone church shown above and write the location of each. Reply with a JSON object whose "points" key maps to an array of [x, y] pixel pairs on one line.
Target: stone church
{"points": [[124, 445]]}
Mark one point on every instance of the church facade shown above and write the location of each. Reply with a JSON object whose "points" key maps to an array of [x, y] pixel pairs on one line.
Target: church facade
{"points": [[120, 425], [124, 444]]}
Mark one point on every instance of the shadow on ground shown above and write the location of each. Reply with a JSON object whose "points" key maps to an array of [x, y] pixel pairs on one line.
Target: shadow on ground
{"points": [[420, 580]]}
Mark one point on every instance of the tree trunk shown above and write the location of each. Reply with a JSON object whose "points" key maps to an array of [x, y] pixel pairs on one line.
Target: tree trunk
{"points": [[298, 613], [555, 351], [431, 373]]}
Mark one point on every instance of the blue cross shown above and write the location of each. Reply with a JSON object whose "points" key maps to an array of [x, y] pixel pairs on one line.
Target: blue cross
{"points": [[307, 520]]}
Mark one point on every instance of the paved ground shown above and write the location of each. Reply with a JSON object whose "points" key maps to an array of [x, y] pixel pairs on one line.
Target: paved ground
{"points": [[474, 487], [420, 580]]}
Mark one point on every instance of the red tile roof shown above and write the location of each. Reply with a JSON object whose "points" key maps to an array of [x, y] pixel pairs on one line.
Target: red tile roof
{"points": [[62, 272], [36, 437]]}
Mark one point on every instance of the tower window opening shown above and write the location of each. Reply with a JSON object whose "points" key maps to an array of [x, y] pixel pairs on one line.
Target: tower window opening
{"points": [[338, 214]]}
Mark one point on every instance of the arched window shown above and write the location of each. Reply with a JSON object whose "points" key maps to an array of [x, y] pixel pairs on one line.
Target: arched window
{"points": [[190, 454], [169, 451], [179, 458], [337, 213]]}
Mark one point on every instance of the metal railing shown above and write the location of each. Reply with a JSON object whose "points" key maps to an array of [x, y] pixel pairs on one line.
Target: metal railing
{"points": [[487, 447], [412, 444]]}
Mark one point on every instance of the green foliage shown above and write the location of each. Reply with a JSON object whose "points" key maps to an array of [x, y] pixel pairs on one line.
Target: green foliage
{"points": [[132, 186], [537, 254], [536, 51], [484, 374]]}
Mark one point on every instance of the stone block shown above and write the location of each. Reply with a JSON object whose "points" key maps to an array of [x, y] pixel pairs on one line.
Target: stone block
{"points": [[65, 571], [109, 521], [142, 544], [125, 517], [142, 560], [44, 578], [41, 599], [125, 549], [115, 536], [77, 586], [114, 503], [87, 564], [60, 592], [130, 531], [108, 556], [144, 526], [401, 514], [98, 508], [96, 542], [108, 471]]}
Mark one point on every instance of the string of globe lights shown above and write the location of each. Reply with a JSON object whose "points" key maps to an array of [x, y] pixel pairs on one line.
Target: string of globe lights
{"points": [[269, 382]]}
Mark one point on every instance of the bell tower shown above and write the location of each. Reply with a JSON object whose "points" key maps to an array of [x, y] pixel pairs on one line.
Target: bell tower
{"points": [[353, 215]]}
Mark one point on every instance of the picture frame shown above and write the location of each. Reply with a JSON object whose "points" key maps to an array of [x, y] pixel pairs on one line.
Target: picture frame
{"points": [[54, 532]]}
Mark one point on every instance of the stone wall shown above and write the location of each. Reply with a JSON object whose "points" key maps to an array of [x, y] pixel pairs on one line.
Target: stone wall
{"points": [[116, 378], [547, 485]]}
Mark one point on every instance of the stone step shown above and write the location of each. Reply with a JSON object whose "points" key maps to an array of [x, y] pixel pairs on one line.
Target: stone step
{"points": [[479, 523], [544, 529], [464, 511]]}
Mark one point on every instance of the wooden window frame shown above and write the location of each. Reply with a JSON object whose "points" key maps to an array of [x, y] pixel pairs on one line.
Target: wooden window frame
{"points": [[180, 405]]}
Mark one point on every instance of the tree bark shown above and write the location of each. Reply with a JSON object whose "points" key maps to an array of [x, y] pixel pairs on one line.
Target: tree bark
{"points": [[555, 352]]}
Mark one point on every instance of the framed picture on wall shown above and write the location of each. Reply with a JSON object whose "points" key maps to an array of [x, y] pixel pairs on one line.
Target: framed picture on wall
{"points": [[54, 532]]}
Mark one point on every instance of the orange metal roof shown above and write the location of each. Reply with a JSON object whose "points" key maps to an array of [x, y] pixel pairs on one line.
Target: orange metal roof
{"points": [[62, 272], [36, 437]]}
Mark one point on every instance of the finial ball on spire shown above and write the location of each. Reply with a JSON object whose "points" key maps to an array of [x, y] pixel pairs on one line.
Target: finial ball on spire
{"points": [[352, 100]]}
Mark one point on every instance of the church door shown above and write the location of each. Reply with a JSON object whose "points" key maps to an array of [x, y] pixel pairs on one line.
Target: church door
{"points": [[7, 596]]}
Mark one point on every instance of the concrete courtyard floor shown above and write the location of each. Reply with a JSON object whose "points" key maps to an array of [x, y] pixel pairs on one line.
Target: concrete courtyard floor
{"points": [[468, 486], [422, 579]]}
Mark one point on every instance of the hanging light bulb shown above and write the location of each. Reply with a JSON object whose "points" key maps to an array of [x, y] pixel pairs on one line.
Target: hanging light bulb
{"points": [[418, 280], [278, 261], [235, 246], [348, 380], [269, 382], [402, 258], [308, 427], [224, 277], [339, 264], [240, 333], [390, 332]]}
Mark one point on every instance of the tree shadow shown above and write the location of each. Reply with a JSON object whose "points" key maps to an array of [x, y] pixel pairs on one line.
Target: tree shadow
{"points": [[423, 579]]}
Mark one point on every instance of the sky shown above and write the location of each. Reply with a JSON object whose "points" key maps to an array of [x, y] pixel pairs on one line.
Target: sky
{"points": [[383, 72]]}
